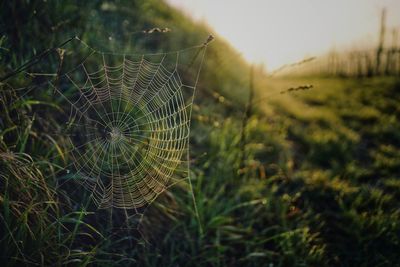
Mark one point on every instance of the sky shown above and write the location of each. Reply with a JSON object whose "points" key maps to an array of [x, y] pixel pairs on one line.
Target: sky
{"points": [[278, 32]]}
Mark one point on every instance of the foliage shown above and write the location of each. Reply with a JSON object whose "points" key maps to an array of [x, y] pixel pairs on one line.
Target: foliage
{"points": [[316, 182]]}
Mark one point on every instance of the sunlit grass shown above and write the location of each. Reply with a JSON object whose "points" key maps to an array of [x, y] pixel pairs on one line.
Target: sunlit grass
{"points": [[316, 182]]}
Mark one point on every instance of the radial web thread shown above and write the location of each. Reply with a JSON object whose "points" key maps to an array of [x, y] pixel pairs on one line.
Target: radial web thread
{"points": [[127, 122]]}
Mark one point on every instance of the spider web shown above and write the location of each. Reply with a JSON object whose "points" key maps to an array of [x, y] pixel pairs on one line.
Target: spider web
{"points": [[124, 122], [128, 126]]}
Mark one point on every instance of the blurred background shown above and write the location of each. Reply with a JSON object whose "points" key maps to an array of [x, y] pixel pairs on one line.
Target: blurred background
{"points": [[275, 33], [295, 139]]}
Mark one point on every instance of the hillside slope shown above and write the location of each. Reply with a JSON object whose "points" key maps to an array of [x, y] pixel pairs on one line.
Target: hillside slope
{"points": [[306, 178]]}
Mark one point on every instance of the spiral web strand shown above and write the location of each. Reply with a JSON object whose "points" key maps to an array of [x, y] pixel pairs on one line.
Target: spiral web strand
{"points": [[128, 125]]}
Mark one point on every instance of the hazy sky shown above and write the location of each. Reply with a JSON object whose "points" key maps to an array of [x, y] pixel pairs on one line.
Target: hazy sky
{"points": [[277, 32]]}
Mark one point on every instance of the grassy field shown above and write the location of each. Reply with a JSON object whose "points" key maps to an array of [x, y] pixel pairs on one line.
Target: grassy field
{"points": [[323, 165], [303, 178]]}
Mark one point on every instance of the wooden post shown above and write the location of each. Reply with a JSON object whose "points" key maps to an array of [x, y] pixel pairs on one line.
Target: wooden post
{"points": [[379, 50]]}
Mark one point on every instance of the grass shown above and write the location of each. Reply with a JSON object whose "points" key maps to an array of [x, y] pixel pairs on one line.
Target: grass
{"points": [[318, 186]]}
